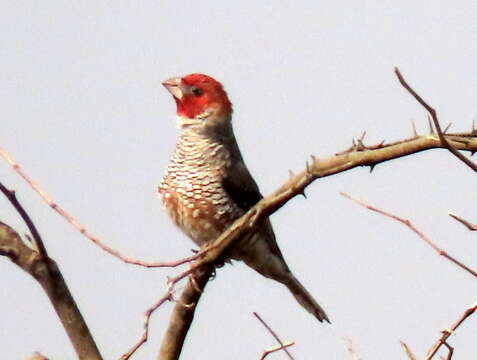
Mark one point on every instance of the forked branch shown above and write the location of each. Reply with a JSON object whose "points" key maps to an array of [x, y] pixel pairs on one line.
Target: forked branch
{"points": [[435, 120], [46, 272]]}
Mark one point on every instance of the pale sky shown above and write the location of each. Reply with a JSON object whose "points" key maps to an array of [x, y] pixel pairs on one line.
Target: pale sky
{"points": [[85, 115]]}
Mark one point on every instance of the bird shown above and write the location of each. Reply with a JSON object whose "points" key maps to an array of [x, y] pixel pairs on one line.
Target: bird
{"points": [[207, 185]]}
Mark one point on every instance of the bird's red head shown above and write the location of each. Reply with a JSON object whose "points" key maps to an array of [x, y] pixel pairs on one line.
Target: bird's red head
{"points": [[196, 94]]}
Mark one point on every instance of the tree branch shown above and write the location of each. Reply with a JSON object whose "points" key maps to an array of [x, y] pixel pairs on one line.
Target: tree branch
{"points": [[435, 120], [183, 314], [275, 336], [80, 227], [448, 332], [46, 272], [464, 222], [408, 223]]}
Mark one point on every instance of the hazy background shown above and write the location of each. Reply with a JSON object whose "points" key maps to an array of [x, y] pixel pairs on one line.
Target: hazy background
{"points": [[83, 111]]}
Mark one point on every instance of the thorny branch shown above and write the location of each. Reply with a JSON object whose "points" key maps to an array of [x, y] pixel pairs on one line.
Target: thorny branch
{"points": [[433, 114], [415, 230]]}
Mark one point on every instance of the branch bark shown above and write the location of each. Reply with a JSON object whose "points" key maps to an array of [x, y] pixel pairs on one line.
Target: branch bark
{"points": [[183, 314], [46, 272]]}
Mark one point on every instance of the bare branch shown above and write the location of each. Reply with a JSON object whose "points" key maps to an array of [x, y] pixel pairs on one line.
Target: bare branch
{"points": [[275, 349], [11, 196], [80, 227], [147, 317], [415, 230], [467, 224], [183, 314], [46, 272], [274, 334], [435, 120], [448, 332]]}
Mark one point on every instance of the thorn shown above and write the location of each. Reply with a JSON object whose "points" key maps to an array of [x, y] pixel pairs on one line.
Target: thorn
{"points": [[474, 128], [361, 145], [313, 158], [371, 168], [414, 128], [302, 193], [447, 128], [380, 145], [353, 144], [363, 135], [431, 128], [308, 171], [472, 153], [291, 174]]}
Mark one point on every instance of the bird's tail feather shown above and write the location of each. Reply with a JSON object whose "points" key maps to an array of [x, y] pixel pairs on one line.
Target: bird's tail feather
{"points": [[304, 298]]}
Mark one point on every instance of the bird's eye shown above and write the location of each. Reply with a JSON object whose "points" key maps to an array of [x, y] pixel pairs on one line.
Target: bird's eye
{"points": [[196, 91]]}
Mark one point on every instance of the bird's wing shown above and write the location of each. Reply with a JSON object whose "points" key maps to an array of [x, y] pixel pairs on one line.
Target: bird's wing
{"points": [[243, 190], [241, 187]]}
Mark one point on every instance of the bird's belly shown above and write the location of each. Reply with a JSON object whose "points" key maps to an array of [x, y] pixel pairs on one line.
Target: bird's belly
{"points": [[202, 213]]}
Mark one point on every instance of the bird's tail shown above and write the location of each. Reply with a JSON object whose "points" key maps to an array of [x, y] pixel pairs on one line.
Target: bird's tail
{"points": [[304, 298]]}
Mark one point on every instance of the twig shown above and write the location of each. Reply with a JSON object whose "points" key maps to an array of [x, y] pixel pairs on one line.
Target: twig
{"points": [[451, 351], [80, 227], [11, 196], [464, 222], [182, 316], [435, 120], [147, 316], [267, 352], [448, 332], [415, 230], [408, 351], [274, 334]]}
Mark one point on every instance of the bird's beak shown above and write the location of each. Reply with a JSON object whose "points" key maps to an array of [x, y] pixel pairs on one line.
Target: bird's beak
{"points": [[173, 85]]}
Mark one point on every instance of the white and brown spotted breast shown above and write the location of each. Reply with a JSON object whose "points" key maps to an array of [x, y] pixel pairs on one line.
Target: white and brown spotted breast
{"points": [[192, 190]]}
